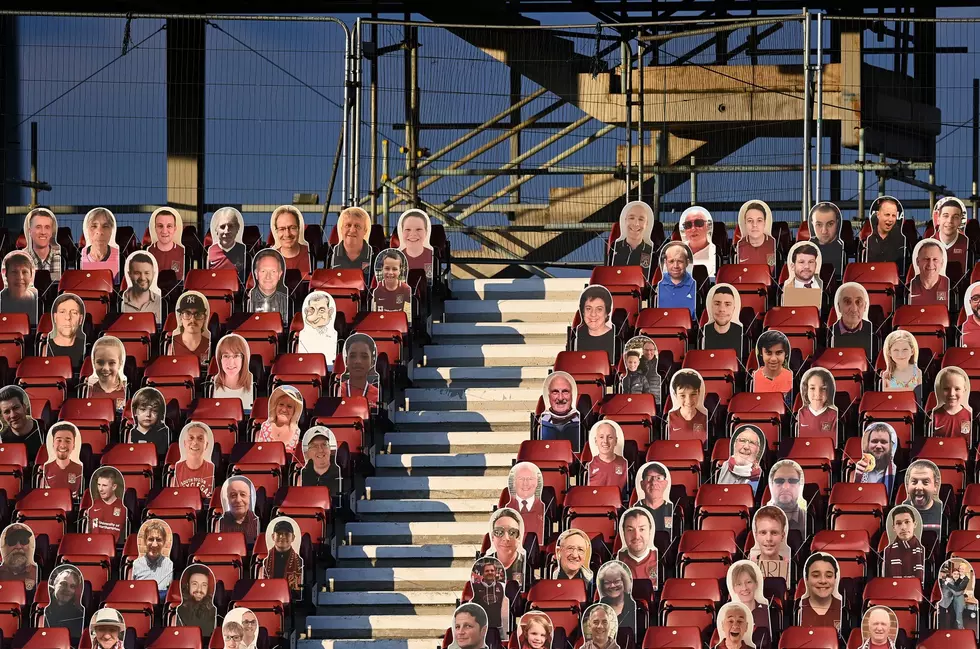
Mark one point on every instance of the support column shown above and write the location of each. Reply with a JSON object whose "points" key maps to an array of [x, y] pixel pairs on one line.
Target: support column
{"points": [[9, 155], [185, 118]]}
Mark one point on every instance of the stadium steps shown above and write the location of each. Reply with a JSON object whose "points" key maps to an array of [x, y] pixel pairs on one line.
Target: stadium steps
{"points": [[420, 520]]}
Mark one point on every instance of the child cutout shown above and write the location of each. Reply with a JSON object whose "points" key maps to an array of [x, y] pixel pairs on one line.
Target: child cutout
{"points": [[922, 483], [392, 292], [634, 247], [535, 630], [734, 627], [197, 599], [149, 410], [63, 470], [194, 468], [64, 609], [639, 554], [688, 418], [487, 582], [887, 241], [597, 332], [615, 585], [821, 604], [958, 606], [191, 337], [803, 286], [67, 337], [773, 375], [971, 326], [825, 219], [902, 373], [318, 335], [949, 217], [696, 227], [41, 235], [770, 551], [101, 251], [269, 294], [233, 379], [166, 231], [469, 627], [930, 284], [17, 545], [786, 481], [905, 555], [238, 508], [153, 544], [561, 419], [248, 628], [599, 627], [879, 628], [361, 377], [608, 467], [289, 233], [953, 416], [507, 542], [282, 424], [747, 448], [18, 294], [756, 245], [818, 416], [677, 289], [142, 294], [414, 230], [653, 494], [525, 485], [724, 329], [108, 513], [574, 555], [879, 444], [353, 251], [640, 358], [745, 582], [320, 452], [227, 248], [108, 380]]}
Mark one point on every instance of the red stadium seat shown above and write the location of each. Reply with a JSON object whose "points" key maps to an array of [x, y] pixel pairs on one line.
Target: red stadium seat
{"points": [[798, 637], [674, 637], [310, 508]]}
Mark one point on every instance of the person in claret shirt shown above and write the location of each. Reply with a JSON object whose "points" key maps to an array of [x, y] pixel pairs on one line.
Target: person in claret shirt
{"points": [[970, 329], [773, 374], [745, 585], [688, 418], [63, 470], [953, 416], [821, 604], [948, 215], [228, 249], [194, 470], [108, 379], [930, 284], [608, 466], [166, 230], [756, 245], [108, 513], [771, 552], [414, 231], [636, 532], [818, 416], [289, 233], [902, 373], [392, 292], [191, 337], [905, 555]]}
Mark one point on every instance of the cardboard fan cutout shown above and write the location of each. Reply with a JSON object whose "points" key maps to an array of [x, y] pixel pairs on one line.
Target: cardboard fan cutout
{"points": [[289, 234], [561, 419], [64, 609], [803, 286], [67, 336], [469, 627], [149, 414], [238, 508], [970, 330], [166, 233], [607, 467], [488, 582], [197, 599], [360, 376], [949, 217], [600, 627], [614, 581], [786, 482], [696, 227], [634, 247], [17, 546], [507, 542], [773, 353], [597, 331], [745, 586], [887, 240], [922, 483], [824, 221], [747, 448], [353, 251], [930, 285], [818, 416], [227, 248], [107, 629], [724, 327], [248, 628], [282, 423], [905, 556], [757, 246], [525, 484], [535, 630], [191, 337], [677, 288], [770, 530], [953, 416], [636, 532], [392, 292], [101, 250], [41, 235], [640, 361], [318, 335], [17, 424], [320, 452], [194, 469], [154, 542], [653, 494], [734, 626], [958, 606], [688, 418], [902, 373], [879, 628], [573, 553], [63, 468], [283, 538], [18, 294], [108, 379], [822, 603], [108, 512], [879, 444], [414, 230], [142, 294], [269, 295], [233, 379]]}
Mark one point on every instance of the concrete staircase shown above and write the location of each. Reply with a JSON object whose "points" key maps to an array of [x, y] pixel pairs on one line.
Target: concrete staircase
{"points": [[421, 520]]}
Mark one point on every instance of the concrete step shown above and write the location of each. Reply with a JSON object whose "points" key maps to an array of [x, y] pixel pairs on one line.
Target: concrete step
{"points": [[393, 627], [416, 533], [465, 487], [445, 464], [510, 310], [480, 377], [409, 556], [417, 643], [408, 510], [481, 399], [506, 442], [500, 332], [396, 579], [490, 355], [525, 289], [461, 421], [423, 602]]}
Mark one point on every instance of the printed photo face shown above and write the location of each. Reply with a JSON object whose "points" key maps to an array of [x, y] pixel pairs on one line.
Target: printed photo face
{"points": [[922, 483], [18, 275], [320, 447], [108, 362], [65, 585], [770, 529], [606, 439], [886, 214], [822, 577], [724, 305], [748, 446], [599, 624], [193, 313], [166, 227], [470, 626], [142, 272], [99, 226], [818, 389], [238, 496], [525, 481], [249, 623], [196, 442], [560, 393], [288, 227], [653, 484], [745, 583], [971, 299], [614, 581], [234, 356], [107, 484], [636, 223], [804, 263], [227, 227], [957, 585], [786, 482], [154, 539], [391, 268], [825, 219], [41, 228], [755, 221], [360, 355], [414, 228], [696, 226], [636, 531], [283, 534], [879, 626], [16, 411], [900, 350], [773, 351], [535, 629], [949, 218], [68, 315], [149, 408], [17, 545], [903, 524], [268, 271], [64, 442], [675, 260], [197, 585], [506, 533], [929, 260], [878, 446], [687, 391], [952, 388], [574, 551], [487, 571], [735, 624], [595, 308]]}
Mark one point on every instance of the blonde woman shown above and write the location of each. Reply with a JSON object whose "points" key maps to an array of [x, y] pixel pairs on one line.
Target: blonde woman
{"points": [[233, 380], [901, 353], [107, 378], [101, 250], [282, 425]]}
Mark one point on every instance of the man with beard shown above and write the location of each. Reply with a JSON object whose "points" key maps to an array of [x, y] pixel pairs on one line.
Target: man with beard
{"points": [[63, 472], [107, 513], [65, 597], [607, 468], [18, 425], [573, 551], [140, 296], [852, 329], [922, 481], [877, 463], [523, 497], [107, 629], [756, 245], [196, 600], [42, 232], [320, 469], [948, 215], [488, 592], [905, 556], [824, 232], [805, 272], [786, 486], [928, 286], [17, 553], [153, 564], [639, 554], [269, 294], [561, 420], [19, 295], [191, 338], [677, 289], [227, 251], [283, 562], [655, 482], [722, 330], [887, 243], [600, 627], [237, 504]]}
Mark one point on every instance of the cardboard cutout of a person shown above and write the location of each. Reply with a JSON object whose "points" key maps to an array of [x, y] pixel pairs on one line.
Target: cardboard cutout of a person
{"points": [[166, 231], [18, 294], [227, 249]]}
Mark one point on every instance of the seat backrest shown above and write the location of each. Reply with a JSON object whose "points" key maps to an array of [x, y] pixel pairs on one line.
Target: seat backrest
{"points": [[588, 362]]}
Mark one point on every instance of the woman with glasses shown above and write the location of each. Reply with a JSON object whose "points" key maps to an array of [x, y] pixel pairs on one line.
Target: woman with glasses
{"points": [[191, 337], [233, 380], [615, 584], [507, 541], [288, 232], [742, 465]]}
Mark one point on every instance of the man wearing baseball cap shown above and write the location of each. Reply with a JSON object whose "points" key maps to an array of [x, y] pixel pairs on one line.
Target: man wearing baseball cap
{"points": [[107, 629], [191, 336], [321, 469], [283, 562]]}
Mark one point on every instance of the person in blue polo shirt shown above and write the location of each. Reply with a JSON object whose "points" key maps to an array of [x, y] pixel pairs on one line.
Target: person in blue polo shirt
{"points": [[677, 288]]}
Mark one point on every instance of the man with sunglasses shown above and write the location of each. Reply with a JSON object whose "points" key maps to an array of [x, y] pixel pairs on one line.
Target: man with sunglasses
{"points": [[786, 487], [17, 555], [191, 337]]}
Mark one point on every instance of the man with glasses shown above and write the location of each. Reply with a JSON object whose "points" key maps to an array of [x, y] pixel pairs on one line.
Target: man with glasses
{"points": [[233, 633], [929, 286], [191, 337], [742, 465], [655, 482], [971, 327], [19, 294], [17, 555], [269, 293], [251, 625], [141, 296], [786, 482], [320, 470]]}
